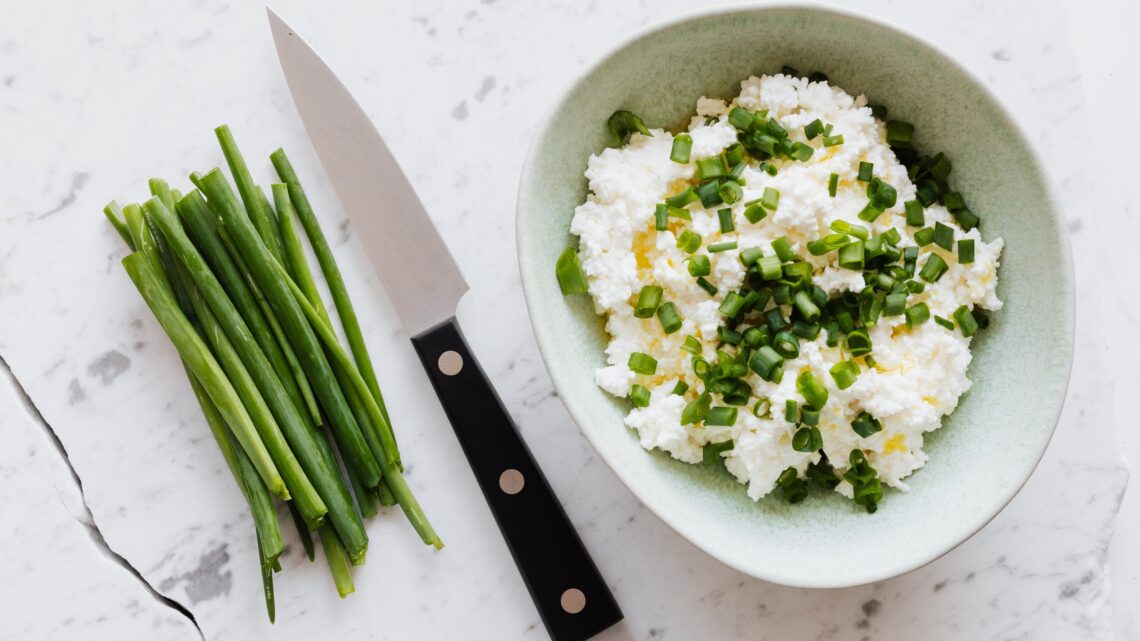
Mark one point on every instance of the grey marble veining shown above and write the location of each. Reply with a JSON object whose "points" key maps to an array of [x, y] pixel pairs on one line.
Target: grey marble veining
{"points": [[96, 99]]}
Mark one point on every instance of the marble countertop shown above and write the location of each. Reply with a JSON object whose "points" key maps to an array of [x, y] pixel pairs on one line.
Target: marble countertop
{"points": [[121, 520]]}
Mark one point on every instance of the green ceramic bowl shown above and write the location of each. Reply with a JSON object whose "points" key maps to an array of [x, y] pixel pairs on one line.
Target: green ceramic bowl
{"points": [[986, 449]]}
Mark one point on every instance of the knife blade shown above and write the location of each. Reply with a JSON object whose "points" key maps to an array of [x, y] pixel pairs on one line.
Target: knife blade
{"points": [[425, 285]]}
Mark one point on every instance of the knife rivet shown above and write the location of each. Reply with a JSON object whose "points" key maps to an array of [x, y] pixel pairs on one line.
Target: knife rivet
{"points": [[450, 363], [511, 481], [573, 601]]}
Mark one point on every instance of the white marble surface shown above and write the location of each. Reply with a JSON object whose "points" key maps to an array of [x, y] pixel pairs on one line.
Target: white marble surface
{"points": [[94, 99]]}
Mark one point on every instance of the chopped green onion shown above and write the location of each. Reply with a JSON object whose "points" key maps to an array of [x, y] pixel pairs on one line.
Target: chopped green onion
{"points": [[807, 439], [809, 331], [647, 301], [734, 155], [944, 236], [711, 453], [642, 363], [765, 362], [571, 278], [939, 166], [751, 255], [730, 192], [682, 147], [699, 265], [917, 314], [801, 152], [732, 305], [965, 251], [670, 319], [791, 411], [771, 268], [696, 410], [639, 396], [868, 489], [810, 416], [756, 336], [709, 288], [900, 134], [866, 172], [967, 324], [933, 269], [844, 227], [894, 304], [683, 198], [798, 270], [783, 248], [768, 168], [623, 124], [771, 198], [812, 389], [866, 425], [966, 219], [689, 241], [870, 213], [832, 184], [813, 129], [678, 212], [711, 167], [741, 118], [832, 141], [726, 335], [945, 322], [806, 306], [786, 344], [844, 373], [725, 218], [680, 388], [762, 408], [754, 213], [791, 486], [709, 193], [691, 345], [661, 217], [721, 416], [882, 194], [851, 255], [857, 343], [722, 247], [924, 236], [915, 217], [953, 200]]}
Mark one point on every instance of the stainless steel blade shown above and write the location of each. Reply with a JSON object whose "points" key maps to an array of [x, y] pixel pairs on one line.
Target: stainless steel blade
{"points": [[413, 262]]}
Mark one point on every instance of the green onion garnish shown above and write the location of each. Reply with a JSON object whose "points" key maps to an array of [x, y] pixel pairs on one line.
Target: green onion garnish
{"points": [[670, 319], [933, 269], [945, 322], [661, 217], [801, 152], [696, 410], [894, 304], [708, 192], [807, 439], [783, 248], [813, 129], [924, 236], [953, 200], [768, 168], [812, 389], [734, 154], [709, 288], [791, 486], [966, 251], [730, 192], [647, 301], [682, 146], [683, 198], [642, 363], [762, 408], [786, 344], [722, 247], [844, 373], [766, 362], [832, 184], [689, 241], [966, 219], [639, 395], [851, 255], [740, 118], [967, 324], [866, 425], [711, 453], [791, 411], [944, 236], [725, 218], [771, 199], [831, 141], [721, 416], [900, 134], [806, 306], [857, 343], [711, 167], [749, 256], [623, 124], [732, 305], [571, 278], [810, 416], [754, 213], [691, 345], [678, 212], [680, 388], [770, 268], [699, 265], [915, 217], [844, 227], [917, 314], [866, 172]]}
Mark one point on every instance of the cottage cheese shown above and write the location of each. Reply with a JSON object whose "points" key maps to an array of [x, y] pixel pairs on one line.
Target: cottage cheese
{"points": [[919, 374]]}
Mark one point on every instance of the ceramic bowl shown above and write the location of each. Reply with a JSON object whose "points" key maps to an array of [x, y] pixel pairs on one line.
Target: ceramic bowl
{"points": [[986, 449]]}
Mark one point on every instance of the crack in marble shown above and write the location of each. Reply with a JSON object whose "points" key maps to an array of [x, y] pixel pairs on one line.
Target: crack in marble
{"points": [[87, 519]]}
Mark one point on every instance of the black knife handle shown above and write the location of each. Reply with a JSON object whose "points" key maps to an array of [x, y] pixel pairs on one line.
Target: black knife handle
{"points": [[571, 596]]}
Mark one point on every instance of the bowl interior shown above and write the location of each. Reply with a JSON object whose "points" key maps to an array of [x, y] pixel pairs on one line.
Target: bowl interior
{"points": [[986, 449]]}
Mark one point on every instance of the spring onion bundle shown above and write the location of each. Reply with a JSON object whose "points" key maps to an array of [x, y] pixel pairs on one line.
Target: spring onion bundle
{"points": [[228, 281]]}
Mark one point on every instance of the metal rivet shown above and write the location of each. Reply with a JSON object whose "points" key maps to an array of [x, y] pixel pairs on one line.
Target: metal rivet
{"points": [[511, 481], [450, 363], [573, 601]]}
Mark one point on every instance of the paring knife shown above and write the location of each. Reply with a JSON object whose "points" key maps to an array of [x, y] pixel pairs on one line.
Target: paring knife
{"points": [[425, 285]]}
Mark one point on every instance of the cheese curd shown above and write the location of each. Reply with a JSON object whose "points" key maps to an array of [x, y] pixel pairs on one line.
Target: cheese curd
{"points": [[918, 374]]}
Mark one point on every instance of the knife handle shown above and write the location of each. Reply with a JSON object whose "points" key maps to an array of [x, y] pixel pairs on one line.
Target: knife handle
{"points": [[572, 598]]}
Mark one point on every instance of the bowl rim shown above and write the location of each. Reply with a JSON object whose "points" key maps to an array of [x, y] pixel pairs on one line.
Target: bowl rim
{"points": [[1065, 285]]}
